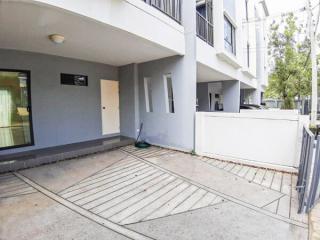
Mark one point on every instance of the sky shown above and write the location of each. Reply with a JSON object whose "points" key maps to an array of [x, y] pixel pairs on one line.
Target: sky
{"points": [[276, 7], [280, 6]]}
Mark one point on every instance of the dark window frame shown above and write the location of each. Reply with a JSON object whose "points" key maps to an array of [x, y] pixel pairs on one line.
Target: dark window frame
{"points": [[232, 42], [202, 7], [204, 22], [28, 74]]}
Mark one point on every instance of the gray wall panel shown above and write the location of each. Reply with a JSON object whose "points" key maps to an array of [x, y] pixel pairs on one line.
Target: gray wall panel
{"points": [[62, 114], [177, 129]]}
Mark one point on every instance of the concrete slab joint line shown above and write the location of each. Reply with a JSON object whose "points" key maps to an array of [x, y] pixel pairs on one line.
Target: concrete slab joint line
{"points": [[101, 221], [282, 182], [136, 195], [225, 196]]}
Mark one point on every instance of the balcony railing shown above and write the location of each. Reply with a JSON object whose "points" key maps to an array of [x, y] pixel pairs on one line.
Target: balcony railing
{"points": [[172, 8], [204, 29]]}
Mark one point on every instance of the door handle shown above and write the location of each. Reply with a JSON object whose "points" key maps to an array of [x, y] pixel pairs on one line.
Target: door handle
{"points": [[103, 108]]}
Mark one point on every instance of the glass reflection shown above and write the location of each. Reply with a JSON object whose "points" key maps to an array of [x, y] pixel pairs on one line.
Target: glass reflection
{"points": [[14, 109]]}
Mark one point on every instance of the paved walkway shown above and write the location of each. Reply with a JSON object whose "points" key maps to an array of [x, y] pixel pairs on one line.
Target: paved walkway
{"points": [[315, 223], [282, 199], [134, 191], [148, 194]]}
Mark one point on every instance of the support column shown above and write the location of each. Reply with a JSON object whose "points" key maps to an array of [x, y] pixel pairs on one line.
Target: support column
{"points": [[203, 98], [129, 100], [256, 96], [231, 96]]}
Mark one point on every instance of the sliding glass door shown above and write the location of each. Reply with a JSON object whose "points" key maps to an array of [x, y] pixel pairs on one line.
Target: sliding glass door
{"points": [[15, 105]]}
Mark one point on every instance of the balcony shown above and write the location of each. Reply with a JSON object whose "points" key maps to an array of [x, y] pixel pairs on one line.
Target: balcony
{"points": [[204, 29], [204, 19], [172, 8]]}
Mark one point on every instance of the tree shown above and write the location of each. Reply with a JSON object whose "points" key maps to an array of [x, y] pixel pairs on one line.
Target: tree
{"points": [[290, 72]]}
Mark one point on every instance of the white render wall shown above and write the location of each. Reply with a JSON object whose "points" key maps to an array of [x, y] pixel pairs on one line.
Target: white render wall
{"points": [[207, 56], [173, 130], [266, 138]]}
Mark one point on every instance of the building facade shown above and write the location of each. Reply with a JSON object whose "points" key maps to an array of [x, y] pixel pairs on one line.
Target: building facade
{"points": [[231, 69], [75, 71]]}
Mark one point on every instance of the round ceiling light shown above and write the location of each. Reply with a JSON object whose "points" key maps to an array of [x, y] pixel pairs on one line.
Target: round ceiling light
{"points": [[56, 38]]}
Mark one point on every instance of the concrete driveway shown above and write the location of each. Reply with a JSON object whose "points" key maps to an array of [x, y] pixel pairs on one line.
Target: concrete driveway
{"points": [[149, 194]]}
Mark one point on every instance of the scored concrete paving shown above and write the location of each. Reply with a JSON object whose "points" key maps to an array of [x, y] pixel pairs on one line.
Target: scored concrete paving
{"points": [[223, 221], [268, 190], [61, 175], [35, 216], [176, 209], [133, 191], [188, 166], [11, 186]]}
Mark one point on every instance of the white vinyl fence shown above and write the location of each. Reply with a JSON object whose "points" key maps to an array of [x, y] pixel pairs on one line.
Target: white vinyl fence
{"points": [[270, 139]]}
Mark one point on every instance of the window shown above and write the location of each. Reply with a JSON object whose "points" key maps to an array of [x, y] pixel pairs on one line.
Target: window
{"points": [[204, 21], [201, 9], [148, 94], [73, 79], [229, 36], [169, 93], [15, 109]]}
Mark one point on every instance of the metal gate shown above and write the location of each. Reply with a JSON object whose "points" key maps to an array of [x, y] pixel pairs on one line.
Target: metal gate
{"points": [[309, 172]]}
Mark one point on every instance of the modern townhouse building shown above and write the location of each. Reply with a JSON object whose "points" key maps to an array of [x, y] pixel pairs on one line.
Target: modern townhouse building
{"points": [[77, 71], [231, 54]]}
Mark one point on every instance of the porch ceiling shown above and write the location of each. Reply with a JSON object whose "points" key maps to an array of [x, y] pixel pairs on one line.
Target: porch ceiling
{"points": [[207, 74], [246, 86], [26, 26]]}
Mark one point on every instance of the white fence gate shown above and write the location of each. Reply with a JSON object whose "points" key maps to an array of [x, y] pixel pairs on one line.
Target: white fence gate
{"points": [[260, 138]]}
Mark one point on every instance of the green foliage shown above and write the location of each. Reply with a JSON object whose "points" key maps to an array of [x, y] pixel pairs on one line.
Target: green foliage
{"points": [[290, 75]]}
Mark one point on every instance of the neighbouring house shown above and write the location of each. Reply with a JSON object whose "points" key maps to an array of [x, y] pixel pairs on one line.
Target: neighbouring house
{"points": [[75, 71], [231, 54]]}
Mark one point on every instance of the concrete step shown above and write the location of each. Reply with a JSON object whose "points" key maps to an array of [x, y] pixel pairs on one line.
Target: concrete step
{"points": [[28, 159]]}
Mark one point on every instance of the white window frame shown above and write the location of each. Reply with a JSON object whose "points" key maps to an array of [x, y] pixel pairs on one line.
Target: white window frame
{"points": [[165, 80], [147, 86]]}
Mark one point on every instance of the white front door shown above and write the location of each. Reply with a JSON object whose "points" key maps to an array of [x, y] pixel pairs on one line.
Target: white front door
{"points": [[110, 107]]}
